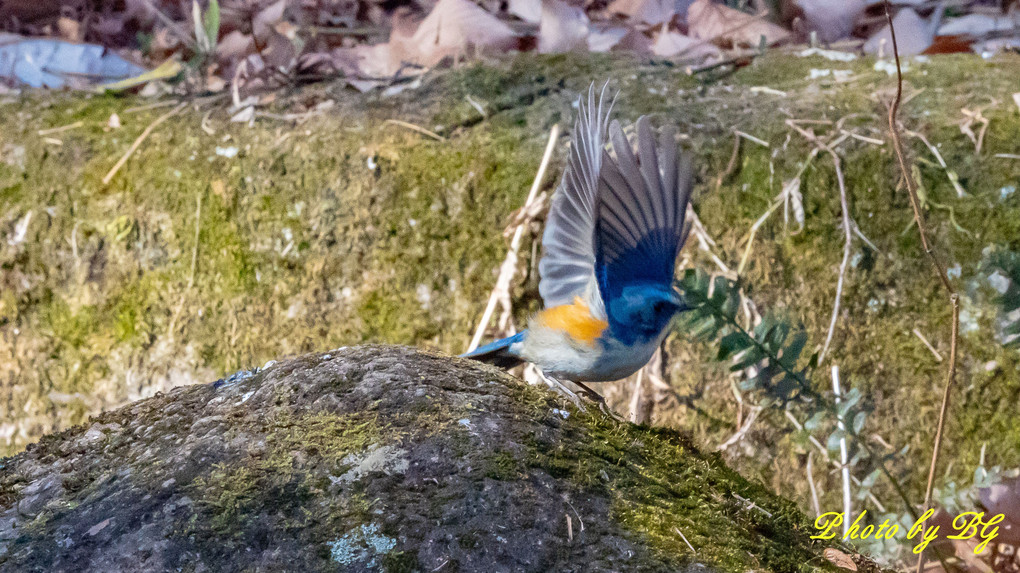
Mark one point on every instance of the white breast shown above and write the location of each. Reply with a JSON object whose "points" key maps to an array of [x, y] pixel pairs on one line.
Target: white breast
{"points": [[557, 354]]}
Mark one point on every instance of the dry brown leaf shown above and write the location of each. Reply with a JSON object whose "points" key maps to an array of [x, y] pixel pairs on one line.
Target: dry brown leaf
{"points": [[164, 43], [141, 11], [279, 52], [336, 12], [669, 43], [709, 21], [365, 67], [528, 10], [603, 39], [831, 19], [651, 12], [564, 28], [913, 36], [263, 22], [234, 45], [618, 38], [839, 559], [451, 29], [1004, 498], [286, 29], [634, 41]]}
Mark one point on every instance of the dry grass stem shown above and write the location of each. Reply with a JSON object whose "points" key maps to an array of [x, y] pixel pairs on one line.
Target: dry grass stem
{"points": [[60, 129], [750, 137], [847, 225], [927, 344], [731, 165], [141, 138], [742, 431], [198, 231], [942, 162], [811, 484], [509, 267], [684, 537], [939, 269], [416, 128], [844, 465]]}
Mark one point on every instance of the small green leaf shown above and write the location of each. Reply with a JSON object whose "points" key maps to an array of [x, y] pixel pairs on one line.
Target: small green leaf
{"points": [[859, 420], [792, 351], [749, 357], [212, 24], [787, 388], [201, 38], [731, 344], [834, 438], [815, 421]]}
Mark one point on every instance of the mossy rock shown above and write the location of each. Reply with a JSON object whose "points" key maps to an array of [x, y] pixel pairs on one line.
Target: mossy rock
{"points": [[383, 459]]}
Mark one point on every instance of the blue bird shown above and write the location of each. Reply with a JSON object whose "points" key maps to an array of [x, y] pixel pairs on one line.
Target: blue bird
{"points": [[612, 236]]}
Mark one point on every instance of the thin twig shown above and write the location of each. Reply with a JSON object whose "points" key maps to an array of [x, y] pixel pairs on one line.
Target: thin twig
{"points": [[847, 229], [742, 431], [847, 226], [732, 164], [950, 379], [509, 264], [811, 484], [62, 128], [684, 537], [939, 269], [844, 465], [918, 334], [138, 142], [194, 251], [750, 137], [416, 128]]}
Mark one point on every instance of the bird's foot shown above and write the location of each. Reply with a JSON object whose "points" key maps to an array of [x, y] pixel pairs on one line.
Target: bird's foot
{"points": [[598, 399]]}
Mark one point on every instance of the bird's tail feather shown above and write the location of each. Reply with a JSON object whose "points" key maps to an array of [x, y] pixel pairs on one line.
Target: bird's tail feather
{"points": [[498, 353]]}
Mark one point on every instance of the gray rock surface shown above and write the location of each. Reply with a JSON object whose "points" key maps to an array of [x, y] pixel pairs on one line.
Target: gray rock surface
{"points": [[382, 459]]}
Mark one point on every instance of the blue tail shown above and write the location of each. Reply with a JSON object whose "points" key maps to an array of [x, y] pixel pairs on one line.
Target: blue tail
{"points": [[498, 353]]}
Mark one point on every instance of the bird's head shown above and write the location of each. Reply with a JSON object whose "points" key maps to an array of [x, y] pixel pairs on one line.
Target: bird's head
{"points": [[644, 310]]}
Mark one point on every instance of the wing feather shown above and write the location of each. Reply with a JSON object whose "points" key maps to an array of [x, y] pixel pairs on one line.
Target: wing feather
{"points": [[640, 215], [567, 267]]}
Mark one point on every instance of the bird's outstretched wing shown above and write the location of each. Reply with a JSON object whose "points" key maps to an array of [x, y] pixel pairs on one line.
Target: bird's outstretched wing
{"points": [[640, 206], [567, 267]]}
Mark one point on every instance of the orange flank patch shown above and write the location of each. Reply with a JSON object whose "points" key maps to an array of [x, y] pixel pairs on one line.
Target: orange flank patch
{"points": [[574, 319]]}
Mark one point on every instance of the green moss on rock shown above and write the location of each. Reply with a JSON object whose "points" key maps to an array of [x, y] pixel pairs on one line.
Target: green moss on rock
{"points": [[328, 461]]}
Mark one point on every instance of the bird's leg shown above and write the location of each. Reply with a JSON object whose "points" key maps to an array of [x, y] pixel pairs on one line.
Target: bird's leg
{"points": [[557, 385], [598, 399], [591, 394]]}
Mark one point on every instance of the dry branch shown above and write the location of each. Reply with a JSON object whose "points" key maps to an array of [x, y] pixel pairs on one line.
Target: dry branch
{"points": [[939, 269]]}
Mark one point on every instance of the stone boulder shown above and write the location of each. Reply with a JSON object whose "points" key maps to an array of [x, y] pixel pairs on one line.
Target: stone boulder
{"points": [[383, 459]]}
